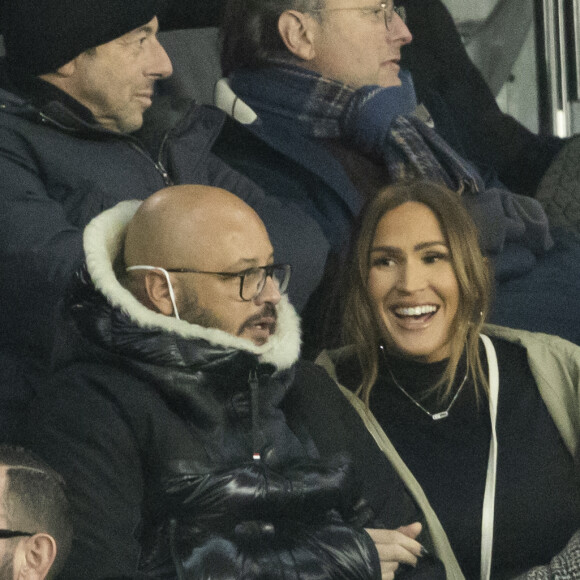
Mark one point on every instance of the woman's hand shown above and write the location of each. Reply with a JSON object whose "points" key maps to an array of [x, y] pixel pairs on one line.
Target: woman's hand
{"points": [[396, 547]]}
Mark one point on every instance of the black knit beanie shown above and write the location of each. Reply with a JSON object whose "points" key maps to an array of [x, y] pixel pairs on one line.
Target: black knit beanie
{"points": [[42, 35]]}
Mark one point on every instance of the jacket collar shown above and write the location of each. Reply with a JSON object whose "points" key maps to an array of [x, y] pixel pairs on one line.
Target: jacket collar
{"points": [[275, 131], [28, 93], [33, 98], [103, 243], [44, 95]]}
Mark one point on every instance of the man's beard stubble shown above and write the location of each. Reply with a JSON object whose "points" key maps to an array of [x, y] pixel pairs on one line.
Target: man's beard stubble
{"points": [[269, 311], [190, 311]]}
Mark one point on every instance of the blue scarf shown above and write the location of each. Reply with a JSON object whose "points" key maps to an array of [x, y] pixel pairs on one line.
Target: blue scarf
{"points": [[381, 123]]}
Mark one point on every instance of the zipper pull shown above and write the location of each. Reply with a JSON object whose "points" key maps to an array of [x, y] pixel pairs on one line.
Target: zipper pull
{"points": [[164, 173]]}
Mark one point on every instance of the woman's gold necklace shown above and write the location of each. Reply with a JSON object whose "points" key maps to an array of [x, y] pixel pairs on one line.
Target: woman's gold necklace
{"points": [[434, 416]]}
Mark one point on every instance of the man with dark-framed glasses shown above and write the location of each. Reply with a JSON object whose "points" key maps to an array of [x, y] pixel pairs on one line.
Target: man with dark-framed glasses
{"points": [[35, 522], [195, 443], [252, 286], [220, 281]]}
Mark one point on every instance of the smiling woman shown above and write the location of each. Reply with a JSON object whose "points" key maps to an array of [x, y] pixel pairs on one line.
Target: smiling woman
{"points": [[418, 282], [412, 283], [485, 442]]}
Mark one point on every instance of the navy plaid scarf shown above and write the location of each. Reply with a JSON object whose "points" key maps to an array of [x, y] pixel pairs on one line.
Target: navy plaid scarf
{"points": [[381, 123], [327, 109]]}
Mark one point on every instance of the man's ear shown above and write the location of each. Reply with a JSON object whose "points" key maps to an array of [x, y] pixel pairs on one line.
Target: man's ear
{"points": [[38, 557], [68, 69], [296, 30], [158, 293], [64, 72]]}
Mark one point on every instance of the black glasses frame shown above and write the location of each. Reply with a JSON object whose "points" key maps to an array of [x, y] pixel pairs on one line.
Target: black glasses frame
{"points": [[5, 534], [268, 273]]}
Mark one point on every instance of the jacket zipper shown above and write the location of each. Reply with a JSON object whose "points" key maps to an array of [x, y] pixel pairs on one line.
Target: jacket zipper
{"points": [[160, 165], [254, 383], [157, 164], [173, 550]]}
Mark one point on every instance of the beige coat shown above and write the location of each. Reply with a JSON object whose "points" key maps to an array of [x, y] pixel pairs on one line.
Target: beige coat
{"points": [[555, 364]]}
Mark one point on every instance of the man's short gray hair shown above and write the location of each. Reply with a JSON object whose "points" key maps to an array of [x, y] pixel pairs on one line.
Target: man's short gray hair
{"points": [[35, 499]]}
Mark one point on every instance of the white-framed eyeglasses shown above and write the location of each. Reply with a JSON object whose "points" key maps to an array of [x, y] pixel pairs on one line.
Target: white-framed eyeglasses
{"points": [[387, 9]]}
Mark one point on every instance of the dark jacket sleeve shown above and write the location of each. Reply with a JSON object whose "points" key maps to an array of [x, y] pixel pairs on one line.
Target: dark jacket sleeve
{"points": [[336, 427], [39, 247], [82, 433], [463, 107]]}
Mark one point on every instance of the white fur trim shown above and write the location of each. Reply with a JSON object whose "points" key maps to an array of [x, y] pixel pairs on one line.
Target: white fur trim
{"points": [[103, 240]]}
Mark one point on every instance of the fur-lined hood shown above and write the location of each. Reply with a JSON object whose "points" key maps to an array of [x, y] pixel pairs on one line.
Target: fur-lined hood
{"points": [[103, 242]]}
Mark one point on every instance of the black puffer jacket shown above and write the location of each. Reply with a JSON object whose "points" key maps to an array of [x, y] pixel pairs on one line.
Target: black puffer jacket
{"points": [[231, 490], [191, 453]]}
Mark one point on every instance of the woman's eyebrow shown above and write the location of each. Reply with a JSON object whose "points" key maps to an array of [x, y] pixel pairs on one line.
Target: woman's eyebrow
{"points": [[424, 245], [389, 249], [421, 246]]}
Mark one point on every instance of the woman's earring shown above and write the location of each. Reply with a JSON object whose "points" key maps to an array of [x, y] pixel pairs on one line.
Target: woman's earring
{"points": [[471, 322]]}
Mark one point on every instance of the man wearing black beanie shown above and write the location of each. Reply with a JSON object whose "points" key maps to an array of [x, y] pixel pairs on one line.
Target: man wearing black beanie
{"points": [[56, 41], [77, 79]]}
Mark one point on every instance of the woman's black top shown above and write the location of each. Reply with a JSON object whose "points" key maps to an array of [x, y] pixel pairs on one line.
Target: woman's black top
{"points": [[537, 506]]}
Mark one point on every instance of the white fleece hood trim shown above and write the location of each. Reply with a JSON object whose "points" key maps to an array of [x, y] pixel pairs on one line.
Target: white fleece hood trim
{"points": [[103, 241]]}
